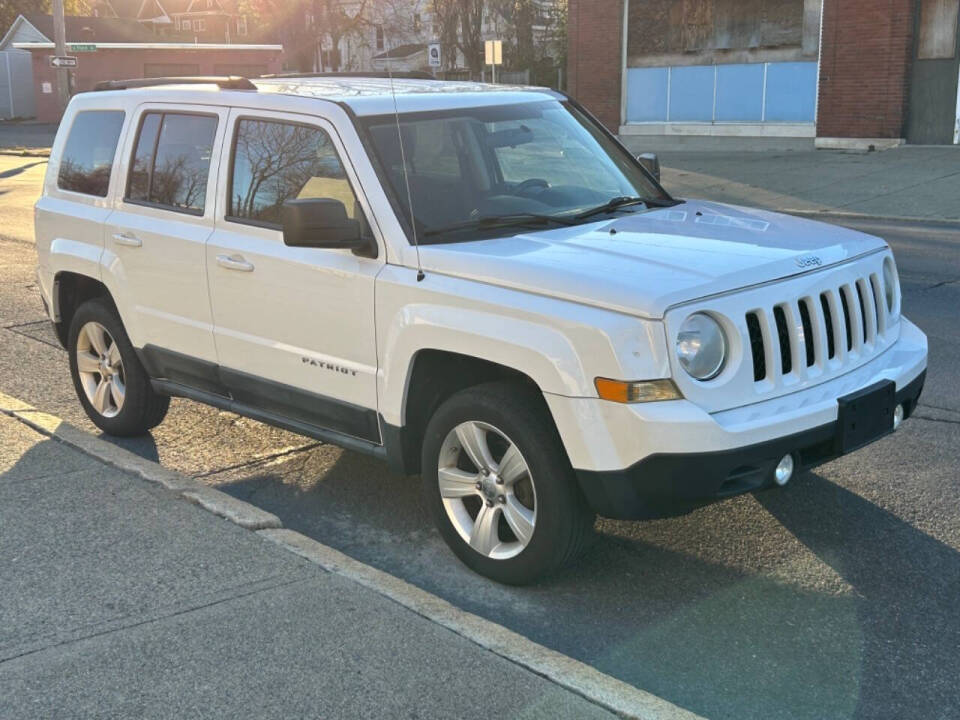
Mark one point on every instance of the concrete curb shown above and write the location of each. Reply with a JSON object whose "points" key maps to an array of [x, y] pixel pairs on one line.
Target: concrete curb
{"points": [[580, 678], [236, 511], [573, 675]]}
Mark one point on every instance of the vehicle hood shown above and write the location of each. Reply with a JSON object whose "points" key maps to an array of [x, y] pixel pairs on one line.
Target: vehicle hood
{"points": [[645, 262]]}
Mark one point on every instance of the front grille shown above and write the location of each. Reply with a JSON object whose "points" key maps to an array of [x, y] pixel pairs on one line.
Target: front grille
{"points": [[804, 335]]}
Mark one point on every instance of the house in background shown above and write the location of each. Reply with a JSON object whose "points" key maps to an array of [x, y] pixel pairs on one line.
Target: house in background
{"points": [[202, 20], [110, 48]]}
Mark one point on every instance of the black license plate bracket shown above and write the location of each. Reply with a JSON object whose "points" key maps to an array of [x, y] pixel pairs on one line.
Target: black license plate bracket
{"points": [[866, 415]]}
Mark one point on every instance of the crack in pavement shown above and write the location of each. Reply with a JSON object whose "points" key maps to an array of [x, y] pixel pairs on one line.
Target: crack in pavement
{"points": [[157, 617], [265, 458]]}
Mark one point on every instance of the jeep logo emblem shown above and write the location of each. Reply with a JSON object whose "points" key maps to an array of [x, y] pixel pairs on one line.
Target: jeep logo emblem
{"points": [[805, 261]]}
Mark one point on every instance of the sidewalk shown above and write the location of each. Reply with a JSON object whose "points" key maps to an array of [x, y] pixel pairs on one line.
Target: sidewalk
{"points": [[908, 182], [120, 599]]}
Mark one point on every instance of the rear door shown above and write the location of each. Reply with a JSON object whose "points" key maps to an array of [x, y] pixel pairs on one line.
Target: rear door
{"points": [[155, 239]]}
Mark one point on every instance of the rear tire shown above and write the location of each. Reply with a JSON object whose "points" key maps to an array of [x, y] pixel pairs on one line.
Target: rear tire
{"points": [[112, 385], [517, 528]]}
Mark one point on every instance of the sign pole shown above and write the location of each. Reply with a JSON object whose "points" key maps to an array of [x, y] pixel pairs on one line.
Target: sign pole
{"points": [[60, 42]]}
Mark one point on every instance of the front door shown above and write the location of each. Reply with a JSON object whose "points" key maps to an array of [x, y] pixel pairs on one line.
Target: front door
{"points": [[294, 327], [934, 114]]}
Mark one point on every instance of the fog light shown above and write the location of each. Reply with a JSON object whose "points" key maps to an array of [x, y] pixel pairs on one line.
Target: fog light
{"points": [[897, 416], [784, 470]]}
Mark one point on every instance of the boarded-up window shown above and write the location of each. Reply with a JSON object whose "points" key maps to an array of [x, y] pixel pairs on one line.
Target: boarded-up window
{"points": [[938, 29]]}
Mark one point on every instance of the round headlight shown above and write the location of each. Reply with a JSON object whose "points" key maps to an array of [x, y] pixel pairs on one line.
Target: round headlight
{"points": [[890, 284], [701, 346]]}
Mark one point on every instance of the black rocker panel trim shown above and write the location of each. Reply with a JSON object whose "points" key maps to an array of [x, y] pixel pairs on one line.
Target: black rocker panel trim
{"points": [[252, 396], [328, 436], [300, 405], [164, 364]]}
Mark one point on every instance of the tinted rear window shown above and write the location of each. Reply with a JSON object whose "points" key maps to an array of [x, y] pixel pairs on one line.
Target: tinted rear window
{"points": [[88, 157], [171, 162]]}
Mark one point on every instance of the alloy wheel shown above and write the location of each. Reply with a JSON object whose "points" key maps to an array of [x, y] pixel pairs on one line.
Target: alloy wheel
{"points": [[487, 490], [101, 369]]}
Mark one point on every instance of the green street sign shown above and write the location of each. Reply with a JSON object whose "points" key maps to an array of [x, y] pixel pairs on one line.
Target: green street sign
{"points": [[83, 47]]}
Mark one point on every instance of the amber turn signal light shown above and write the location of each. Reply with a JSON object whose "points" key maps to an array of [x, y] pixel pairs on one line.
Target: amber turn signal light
{"points": [[635, 392]]}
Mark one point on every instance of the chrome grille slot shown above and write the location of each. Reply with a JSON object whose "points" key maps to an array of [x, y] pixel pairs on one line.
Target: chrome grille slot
{"points": [[828, 324], [783, 335], [878, 306], [807, 331], [867, 311], [846, 318], [756, 347]]}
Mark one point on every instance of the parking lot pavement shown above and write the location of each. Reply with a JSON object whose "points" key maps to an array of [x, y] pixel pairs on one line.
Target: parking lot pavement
{"points": [[834, 597], [911, 181], [26, 135], [121, 600]]}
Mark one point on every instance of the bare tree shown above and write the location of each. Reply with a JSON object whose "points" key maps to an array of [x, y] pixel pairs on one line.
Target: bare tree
{"points": [[471, 14], [446, 18]]}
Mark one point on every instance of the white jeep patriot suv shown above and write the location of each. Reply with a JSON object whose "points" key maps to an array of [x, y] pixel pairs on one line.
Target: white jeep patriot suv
{"points": [[476, 283]]}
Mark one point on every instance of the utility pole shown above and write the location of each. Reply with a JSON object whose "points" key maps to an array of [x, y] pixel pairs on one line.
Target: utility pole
{"points": [[60, 42]]}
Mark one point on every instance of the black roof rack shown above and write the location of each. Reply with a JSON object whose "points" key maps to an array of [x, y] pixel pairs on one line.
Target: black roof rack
{"points": [[401, 74], [232, 82]]}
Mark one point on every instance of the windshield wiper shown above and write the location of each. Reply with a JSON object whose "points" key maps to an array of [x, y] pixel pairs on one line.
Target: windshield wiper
{"points": [[501, 221], [613, 204]]}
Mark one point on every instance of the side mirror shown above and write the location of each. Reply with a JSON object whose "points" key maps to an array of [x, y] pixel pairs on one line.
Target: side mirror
{"points": [[319, 223], [651, 164]]}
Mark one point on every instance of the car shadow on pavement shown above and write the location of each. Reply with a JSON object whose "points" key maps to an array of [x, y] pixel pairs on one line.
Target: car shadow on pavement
{"points": [[906, 586], [650, 609], [143, 445]]}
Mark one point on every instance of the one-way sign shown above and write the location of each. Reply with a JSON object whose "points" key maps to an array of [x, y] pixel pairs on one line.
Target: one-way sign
{"points": [[63, 61]]}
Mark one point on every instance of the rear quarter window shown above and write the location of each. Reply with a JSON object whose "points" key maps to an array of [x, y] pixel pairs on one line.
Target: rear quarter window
{"points": [[87, 159]]}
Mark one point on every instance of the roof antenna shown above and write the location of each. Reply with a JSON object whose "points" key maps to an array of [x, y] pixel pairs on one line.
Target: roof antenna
{"points": [[403, 162]]}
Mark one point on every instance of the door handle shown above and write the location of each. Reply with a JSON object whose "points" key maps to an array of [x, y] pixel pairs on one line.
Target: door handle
{"points": [[122, 238], [234, 262]]}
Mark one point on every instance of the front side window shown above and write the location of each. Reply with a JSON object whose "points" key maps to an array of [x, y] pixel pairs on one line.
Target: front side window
{"points": [[472, 170], [87, 159], [171, 162], [277, 161]]}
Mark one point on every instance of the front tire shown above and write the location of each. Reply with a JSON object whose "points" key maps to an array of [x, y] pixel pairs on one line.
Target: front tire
{"points": [[499, 485], [112, 385]]}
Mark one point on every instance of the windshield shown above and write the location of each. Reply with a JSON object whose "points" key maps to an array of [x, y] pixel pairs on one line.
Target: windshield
{"points": [[475, 171]]}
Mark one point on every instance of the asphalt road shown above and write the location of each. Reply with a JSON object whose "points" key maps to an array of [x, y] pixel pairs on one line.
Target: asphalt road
{"points": [[836, 597]]}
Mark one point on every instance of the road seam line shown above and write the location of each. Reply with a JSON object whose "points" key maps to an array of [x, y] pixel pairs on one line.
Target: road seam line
{"points": [[566, 672]]}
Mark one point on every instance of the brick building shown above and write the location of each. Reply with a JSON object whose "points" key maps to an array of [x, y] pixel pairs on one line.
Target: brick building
{"points": [[830, 73]]}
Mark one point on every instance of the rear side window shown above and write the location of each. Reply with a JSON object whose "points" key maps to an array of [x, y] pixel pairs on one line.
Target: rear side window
{"points": [[276, 161], [88, 157], [171, 161]]}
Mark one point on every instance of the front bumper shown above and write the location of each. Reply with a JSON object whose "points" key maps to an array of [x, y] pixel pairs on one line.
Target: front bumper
{"points": [[655, 459], [662, 485]]}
